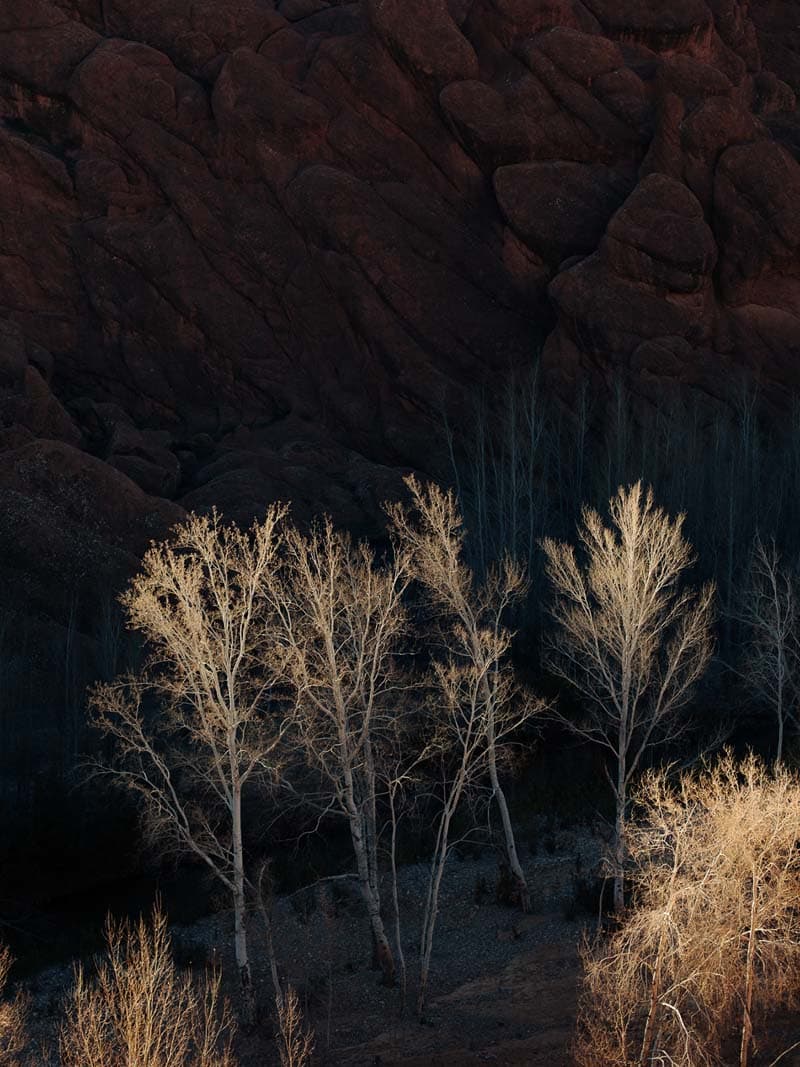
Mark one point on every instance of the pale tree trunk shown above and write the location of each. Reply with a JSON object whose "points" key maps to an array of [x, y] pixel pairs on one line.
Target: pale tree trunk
{"points": [[512, 857], [369, 888], [619, 840], [431, 911], [398, 934], [749, 978], [266, 916], [621, 795], [239, 909], [779, 708], [370, 826]]}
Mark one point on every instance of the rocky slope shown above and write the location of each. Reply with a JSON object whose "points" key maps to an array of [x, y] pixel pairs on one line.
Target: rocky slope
{"points": [[257, 248]]}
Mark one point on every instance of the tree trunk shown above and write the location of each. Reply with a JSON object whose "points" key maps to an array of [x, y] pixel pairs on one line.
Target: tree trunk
{"points": [[508, 830], [239, 912], [398, 937], [619, 844], [510, 843], [432, 906], [747, 1021], [649, 1036], [779, 709], [369, 892]]}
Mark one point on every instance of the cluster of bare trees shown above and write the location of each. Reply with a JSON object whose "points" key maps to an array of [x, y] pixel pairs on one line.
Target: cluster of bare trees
{"points": [[710, 953], [303, 660], [276, 656]]}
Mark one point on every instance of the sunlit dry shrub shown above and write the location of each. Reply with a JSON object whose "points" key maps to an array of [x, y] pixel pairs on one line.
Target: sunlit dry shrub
{"points": [[138, 1011], [710, 950], [12, 1017]]}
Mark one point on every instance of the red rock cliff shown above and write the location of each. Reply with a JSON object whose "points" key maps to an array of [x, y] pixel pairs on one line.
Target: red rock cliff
{"points": [[253, 249]]}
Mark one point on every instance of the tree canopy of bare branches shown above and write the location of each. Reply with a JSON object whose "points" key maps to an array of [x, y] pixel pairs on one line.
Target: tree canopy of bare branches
{"points": [[475, 704], [772, 656], [340, 618], [631, 638], [196, 726]]}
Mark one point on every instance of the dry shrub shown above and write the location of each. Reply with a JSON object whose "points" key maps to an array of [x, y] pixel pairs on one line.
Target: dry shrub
{"points": [[710, 951], [138, 1011], [295, 1039], [12, 1017]]}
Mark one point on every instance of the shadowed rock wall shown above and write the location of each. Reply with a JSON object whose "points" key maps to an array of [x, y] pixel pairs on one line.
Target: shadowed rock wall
{"points": [[254, 249]]}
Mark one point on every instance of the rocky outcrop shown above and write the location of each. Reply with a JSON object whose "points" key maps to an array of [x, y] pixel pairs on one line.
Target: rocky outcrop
{"points": [[261, 248]]}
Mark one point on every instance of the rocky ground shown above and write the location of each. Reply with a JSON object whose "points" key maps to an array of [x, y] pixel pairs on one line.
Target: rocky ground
{"points": [[503, 985], [503, 989]]}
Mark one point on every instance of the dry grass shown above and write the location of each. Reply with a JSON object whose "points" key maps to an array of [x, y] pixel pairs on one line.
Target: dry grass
{"points": [[711, 950], [138, 1011]]}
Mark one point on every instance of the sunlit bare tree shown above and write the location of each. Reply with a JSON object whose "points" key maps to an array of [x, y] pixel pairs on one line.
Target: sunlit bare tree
{"points": [[710, 952], [295, 1039], [196, 727], [475, 703], [340, 619], [471, 616], [631, 638]]}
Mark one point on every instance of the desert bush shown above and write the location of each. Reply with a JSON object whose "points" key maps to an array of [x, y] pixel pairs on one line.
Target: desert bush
{"points": [[710, 950], [12, 1017], [295, 1039], [138, 1011]]}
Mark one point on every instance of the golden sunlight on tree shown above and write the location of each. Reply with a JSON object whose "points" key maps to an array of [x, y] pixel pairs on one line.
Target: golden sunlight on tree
{"points": [[339, 617], [138, 1011], [475, 703], [197, 725], [295, 1039], [630, 638], [12, 1017], [471, 616], [709, 954]]}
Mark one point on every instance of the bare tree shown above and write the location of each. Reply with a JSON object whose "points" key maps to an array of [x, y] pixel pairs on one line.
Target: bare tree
{"points": [[340, 620], [196, 726], [709, 954], [630, 639], [475, 704], [770, 614], [139, 1012], [471, 613], [13, 1017]]}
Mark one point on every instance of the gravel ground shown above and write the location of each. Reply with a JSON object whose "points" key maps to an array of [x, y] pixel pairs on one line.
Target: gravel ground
{"points": [[483, 953]]}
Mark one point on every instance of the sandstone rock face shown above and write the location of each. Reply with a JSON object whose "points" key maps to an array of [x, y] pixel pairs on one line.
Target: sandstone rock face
{"points": [[258, 249]]}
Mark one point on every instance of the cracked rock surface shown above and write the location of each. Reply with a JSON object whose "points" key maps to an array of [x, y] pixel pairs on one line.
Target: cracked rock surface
{"points": [[257, 249]]}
